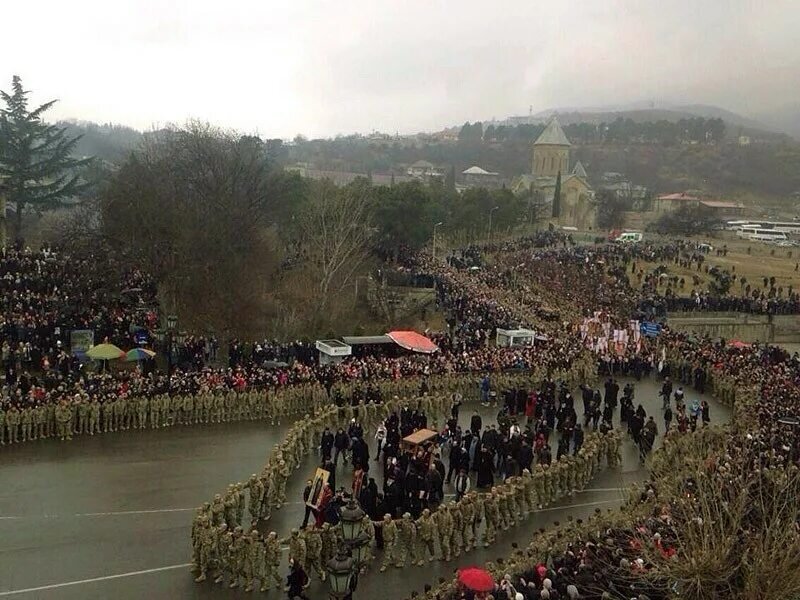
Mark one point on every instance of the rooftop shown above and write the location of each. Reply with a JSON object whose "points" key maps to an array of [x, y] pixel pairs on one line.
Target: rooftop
{"points": [[721, 204], [552, 135], [476, 170], [679, 196]]}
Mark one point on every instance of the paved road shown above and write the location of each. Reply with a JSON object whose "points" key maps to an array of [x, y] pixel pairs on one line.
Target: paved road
{"points": [[109, 516]]}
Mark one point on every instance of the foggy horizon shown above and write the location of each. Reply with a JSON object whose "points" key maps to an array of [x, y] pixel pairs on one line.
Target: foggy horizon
{"points": [[321, 69]]}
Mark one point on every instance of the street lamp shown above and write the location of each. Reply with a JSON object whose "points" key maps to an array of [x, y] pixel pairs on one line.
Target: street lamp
{"points": [[340, 574], [170, 339], [433, 252], [491, 212], [350, 519], [351, 554]]}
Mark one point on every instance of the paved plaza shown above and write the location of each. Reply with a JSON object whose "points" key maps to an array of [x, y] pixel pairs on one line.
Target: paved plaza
{"points": [[109, 516]]}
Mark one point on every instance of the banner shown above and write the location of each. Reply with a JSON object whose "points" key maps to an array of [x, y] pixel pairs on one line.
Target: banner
{"points": [[80, 340]]}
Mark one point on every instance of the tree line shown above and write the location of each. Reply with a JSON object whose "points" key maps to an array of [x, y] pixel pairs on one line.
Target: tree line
{"points": [[621, 130]]}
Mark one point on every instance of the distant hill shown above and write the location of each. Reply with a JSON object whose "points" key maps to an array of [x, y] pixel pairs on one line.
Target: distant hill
{"points": [[785, 118], [108, 142], [736, 123]]}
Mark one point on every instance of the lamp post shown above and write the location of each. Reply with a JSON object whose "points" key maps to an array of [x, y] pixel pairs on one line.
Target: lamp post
{"points": [[350, 520], [340, 574], [433, 252], [491, 212], [343, 569], [170, 339]]}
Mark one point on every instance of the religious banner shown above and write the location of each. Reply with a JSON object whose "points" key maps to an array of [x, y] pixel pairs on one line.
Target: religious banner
{"points": [[317, 485]]}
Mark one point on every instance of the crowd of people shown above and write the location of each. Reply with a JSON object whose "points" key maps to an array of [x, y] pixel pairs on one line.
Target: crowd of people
{"points": [[543, 281]]}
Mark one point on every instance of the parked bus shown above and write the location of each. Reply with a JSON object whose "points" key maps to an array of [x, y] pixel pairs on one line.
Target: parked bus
{"points": [[782, 226], [735, 225], [762, 235]]}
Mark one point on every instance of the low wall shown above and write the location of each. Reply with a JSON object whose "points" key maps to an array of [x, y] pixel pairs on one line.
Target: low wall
{"points": [[741, 326]]}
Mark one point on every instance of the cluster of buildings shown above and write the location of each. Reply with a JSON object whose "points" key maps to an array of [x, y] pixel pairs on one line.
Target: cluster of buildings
{"points": [[550, 160]]}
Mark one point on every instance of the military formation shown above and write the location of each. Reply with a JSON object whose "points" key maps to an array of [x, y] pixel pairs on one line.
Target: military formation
{"points": [[85, 415], [455, 527]]}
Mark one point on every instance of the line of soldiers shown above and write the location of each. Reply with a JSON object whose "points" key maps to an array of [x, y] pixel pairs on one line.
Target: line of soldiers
{"points": [[455, 525], [86, 415], [267, 491]]}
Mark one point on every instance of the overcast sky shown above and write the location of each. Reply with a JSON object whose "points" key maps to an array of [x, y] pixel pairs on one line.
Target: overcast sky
{"points": [[325, 67]]}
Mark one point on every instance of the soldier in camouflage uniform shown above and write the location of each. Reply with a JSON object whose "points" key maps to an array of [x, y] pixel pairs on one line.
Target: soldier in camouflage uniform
{"points": [[444, 527], [255, 489], [271, 561], [236, 557], [407, 538], [94, 418], [390, 534], [218, 510], [297, 547], [426, 532], [230, 507], [25, 421], [240, 502], [369, 528], [456, 543], [313, 542], [491, 512], [250, 559], [204, 542], [328, 538]]}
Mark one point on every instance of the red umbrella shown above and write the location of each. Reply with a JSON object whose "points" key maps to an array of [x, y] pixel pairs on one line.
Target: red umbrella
{"points": [[475, 579], [738, 344]]}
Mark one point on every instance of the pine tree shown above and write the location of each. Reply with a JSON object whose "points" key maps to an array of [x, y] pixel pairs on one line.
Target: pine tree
{"points": [[35, 158], [557, 197], [450, 179]]}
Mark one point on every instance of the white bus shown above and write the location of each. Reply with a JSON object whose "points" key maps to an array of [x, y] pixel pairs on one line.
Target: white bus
{"points": [[782, 226], [735, 225], [762, 235]]}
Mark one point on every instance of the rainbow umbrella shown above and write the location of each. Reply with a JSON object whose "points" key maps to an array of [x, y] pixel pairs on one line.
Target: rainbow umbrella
{"points": [[137, 354], [105, 352]]}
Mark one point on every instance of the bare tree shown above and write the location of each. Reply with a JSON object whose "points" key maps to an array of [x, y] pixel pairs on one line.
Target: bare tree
{"points": [[192, 207], [336, 232]]}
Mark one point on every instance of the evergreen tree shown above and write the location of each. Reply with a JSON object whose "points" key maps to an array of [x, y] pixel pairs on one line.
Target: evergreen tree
{"points": [[450, 180], [557, 197], [35, 157]]}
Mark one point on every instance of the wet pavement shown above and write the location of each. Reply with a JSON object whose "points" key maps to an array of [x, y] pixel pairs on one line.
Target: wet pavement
{"points": [[109, 516]]}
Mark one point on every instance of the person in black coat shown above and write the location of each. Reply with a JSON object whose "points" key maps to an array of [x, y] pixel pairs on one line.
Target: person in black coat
{"points": [[455, 459], [485, 468], [577, 437], [326, 444], [360, 451], [475, 423], [525, 455], [340, 442], [306, 494], [296, 582]]}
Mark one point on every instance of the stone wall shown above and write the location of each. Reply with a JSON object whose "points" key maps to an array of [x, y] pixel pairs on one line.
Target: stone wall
{"points": [[739, 326]]}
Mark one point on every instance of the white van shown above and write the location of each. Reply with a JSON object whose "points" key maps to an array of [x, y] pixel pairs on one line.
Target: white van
{"points": [[629, 237]]}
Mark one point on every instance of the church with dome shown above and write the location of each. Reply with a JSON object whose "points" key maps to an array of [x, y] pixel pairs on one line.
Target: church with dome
{"points": [[551, 157]]}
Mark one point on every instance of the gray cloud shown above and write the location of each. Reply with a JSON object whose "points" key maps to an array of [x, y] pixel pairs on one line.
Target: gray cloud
{"points": [[321, 67]]}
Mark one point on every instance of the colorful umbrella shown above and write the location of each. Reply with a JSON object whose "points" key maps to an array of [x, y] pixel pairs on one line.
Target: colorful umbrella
{"points": [[475, 579], [137, 354], [105, 352]]}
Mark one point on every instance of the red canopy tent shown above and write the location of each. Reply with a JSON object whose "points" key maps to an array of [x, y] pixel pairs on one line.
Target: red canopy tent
{"points": [[411, 340]]}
